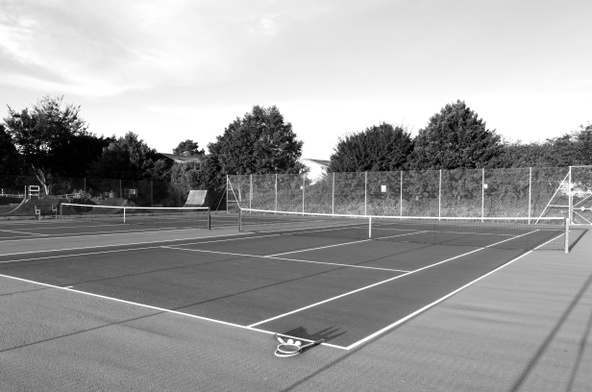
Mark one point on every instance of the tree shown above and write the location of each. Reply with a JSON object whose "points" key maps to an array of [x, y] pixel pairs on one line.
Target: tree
{"points": [[570, 149], [9, 156], [196, 175], [81, 151], [573, 148], [188, 148], [526, 155], [455, 138], [129, 158], [260, 142], [378, 148], [41, 136]]}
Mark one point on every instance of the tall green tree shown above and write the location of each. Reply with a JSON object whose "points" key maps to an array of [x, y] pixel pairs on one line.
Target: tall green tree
{"points": [[188, 148], [378, 148], [455, 138], [129, 158], [260, 142], [42, 134], [81, 151], [9, 156]]}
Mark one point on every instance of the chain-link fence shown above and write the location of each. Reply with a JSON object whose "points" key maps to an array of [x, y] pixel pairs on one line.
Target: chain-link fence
{"points": [[516, 192], [141, 193]]}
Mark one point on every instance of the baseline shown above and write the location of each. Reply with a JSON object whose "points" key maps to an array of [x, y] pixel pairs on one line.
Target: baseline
{"points": [[156, 308]]}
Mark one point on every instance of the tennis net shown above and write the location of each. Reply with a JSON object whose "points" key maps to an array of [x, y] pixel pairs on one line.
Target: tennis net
{"points": [[501, 233], [162, 217]]}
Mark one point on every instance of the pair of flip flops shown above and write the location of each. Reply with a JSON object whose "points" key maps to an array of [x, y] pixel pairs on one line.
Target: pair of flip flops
{"points": [[289, 347]]}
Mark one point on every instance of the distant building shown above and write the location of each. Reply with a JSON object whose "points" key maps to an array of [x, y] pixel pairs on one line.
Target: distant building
{"points": [[317, 168]]}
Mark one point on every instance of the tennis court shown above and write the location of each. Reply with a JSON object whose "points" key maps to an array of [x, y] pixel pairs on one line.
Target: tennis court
{"points": [[331, 284]]}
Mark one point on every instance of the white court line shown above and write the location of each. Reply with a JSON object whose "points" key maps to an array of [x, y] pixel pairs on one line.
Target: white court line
{"points": [[344, 243], [463, 233], [99, 246], [252, 326], [238, 237], [383, 282], [436, 302], [22, 232], [78, 254], [156, 308], [319, 248], [272, 257]]}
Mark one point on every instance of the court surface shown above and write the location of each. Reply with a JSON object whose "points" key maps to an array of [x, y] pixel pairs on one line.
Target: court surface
{"points": [[233, 286]]}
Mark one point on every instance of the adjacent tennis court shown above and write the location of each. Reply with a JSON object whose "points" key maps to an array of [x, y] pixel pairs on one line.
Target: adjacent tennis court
{"points": [[334, 282]]}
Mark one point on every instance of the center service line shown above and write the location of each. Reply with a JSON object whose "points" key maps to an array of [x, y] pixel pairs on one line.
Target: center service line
{"points": [[384, 281]]}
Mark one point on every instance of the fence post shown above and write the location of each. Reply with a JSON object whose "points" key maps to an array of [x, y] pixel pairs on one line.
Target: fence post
{"points": [[482, 194], [529, 193], [365, 193], [570, 196], [401, 195], [440, 196], [227, 182], [333, 195], [303, 186], [276, 192]]}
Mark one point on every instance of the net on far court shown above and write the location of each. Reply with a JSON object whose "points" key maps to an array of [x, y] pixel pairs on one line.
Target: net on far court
{"points": [[161, 217], [501, 233]]}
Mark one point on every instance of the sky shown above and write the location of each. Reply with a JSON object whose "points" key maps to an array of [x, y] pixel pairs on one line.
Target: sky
{"points": [[185, 69]]}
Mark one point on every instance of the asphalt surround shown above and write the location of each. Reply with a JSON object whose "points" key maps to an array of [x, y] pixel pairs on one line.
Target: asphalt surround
{"points": [[240, 281]]}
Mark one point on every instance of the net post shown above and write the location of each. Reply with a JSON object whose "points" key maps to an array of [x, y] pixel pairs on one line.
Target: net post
{"points": [[123, 214], [566, 236], [209, 222], [240, 218], [369, 226]]}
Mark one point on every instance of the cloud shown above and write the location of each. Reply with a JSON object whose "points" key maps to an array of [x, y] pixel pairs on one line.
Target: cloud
{"points": [[107, 47]]}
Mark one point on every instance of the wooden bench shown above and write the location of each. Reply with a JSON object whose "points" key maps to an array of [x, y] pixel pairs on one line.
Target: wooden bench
{"points": [[42, 211]]}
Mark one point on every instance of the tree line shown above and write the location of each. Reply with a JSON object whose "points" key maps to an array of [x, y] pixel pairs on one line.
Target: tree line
{"points": [[51, 140], [455, 138]]}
